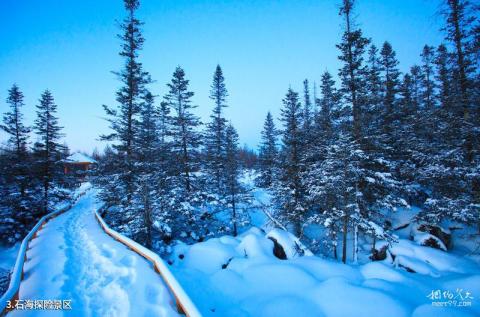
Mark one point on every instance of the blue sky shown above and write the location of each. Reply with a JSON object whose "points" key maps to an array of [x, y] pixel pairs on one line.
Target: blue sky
{"points": [[70, 47]]}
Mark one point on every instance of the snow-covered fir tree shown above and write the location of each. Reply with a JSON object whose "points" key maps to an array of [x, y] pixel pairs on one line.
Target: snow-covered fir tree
{"points": [[16, 183], [146, 167], [236, 194], [352, 73], [185, 150], [288, 187], [215, 139], [268, 153], [186, 138], [47, 153]]}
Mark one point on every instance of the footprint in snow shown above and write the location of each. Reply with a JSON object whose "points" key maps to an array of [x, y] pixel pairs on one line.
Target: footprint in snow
{"points": [[57, 277], [107, 251], [154, 293], [128, 261]]}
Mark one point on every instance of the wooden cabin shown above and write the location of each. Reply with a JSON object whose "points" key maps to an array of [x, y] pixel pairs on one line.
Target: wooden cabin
{"points": [[78, 164]]}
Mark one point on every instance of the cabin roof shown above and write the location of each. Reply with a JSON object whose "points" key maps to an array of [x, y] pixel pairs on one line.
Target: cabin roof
{"points": [[80, 158]]}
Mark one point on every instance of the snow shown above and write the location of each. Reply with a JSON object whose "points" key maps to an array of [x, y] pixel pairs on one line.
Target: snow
{"points": [[291, 245], [240, 276], [429, 310], [72, 258], [80, 158], [422, 238], [379, 270], [208, 257], [438, 260], [8, 257], [337, 297]]}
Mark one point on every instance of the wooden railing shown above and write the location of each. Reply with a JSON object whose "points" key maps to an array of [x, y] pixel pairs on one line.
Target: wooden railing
{"points": [[12, 293], [183, 301]]}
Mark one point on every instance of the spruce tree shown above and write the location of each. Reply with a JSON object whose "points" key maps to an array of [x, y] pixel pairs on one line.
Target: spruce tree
{"points": [[328, 101], [391, 74], [235, 192], [307, 116], [444, 77], [16, 144], [145, 178], [374, 92], [268, 153], [48, 152], [186, 139], [459, 22], [428, 98], [417, 79], [289, 190], [16, 197], [125, 120], [352, 49], [215, 134], [386, 137]]}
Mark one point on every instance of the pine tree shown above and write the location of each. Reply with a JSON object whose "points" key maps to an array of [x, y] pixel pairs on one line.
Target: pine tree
{"points": [[374, 91], [391, 76], [288, 188], [235, 191], [317, 192], [268, 153], [186, 138], [125, 120], [322, 131], [145, 177], [459, 21], [307, 115], [444, 77], [329, 100], [215, 134], [417, 79], [352, 49], [16, 200], [428, 78], [18, 133], [48, 151], [165, 164], [386, 137]]}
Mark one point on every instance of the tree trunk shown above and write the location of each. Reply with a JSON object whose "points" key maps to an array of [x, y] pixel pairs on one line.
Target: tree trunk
{"points": [[355, 244], [344, 246], [461, 64], [234, 216], [334, 243]]}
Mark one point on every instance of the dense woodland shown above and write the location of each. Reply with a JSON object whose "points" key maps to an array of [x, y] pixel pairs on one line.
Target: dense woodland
{"points": [[344, 155]]}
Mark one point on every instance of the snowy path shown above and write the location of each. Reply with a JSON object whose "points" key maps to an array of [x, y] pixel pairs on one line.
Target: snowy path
{"points": [[73, 259]]}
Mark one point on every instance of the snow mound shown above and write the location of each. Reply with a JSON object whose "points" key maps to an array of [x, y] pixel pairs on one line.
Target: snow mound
{"points": [[254, 246], [440, 261], [337, 297], [209, 256], [426, 239], [291, 245], [379, 270], [240, 276]]}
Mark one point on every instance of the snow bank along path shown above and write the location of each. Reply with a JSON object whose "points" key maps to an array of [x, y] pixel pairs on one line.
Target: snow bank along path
{"points": [[72, 258]]}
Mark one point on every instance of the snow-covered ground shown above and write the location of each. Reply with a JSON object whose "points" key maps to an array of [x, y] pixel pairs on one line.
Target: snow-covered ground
{"points": [[241, 277], [73, 259], [7, 261], [8, 257]]}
